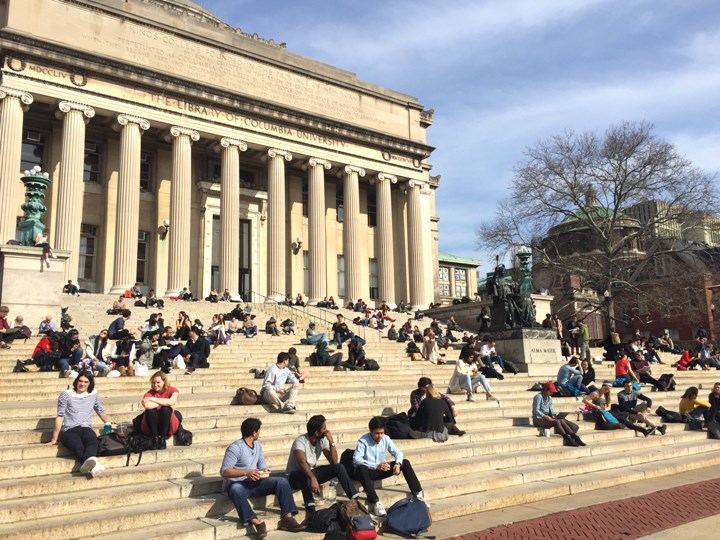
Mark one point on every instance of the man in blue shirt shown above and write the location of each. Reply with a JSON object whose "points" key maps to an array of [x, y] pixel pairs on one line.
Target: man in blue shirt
{"points": [[370, 464], [246, 475]]}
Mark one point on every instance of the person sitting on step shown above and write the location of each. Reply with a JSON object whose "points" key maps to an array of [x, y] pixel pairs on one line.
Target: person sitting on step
{"points": [[117, 329], [691, 405], [545, 417], [642, 369], [249, 327], [369, 460], [273, 390], [294, 365], [466, 377], [489, 356], [272, 328], [196, 351], [302, 466], [418, 395], [341, 332], [571, 375], [73, 423], [245, 475], [628, 406], [597, 400], [159, 420], [434, 417]]}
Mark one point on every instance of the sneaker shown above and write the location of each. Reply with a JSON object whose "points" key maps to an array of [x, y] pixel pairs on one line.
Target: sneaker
{"points": [[379, 509], [260, 530], [47, 263], [88, 465], [662, 429], [649, 432], [288, 409], [97, 469], [419, 497], [471, 397], [288, 523], [54, 256]]}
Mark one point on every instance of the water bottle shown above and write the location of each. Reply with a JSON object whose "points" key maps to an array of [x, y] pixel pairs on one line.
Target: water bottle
{"points": [[107, 428], [332, 491]]}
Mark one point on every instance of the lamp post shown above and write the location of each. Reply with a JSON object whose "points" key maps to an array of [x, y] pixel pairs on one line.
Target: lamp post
{"points": [[36, 182]]}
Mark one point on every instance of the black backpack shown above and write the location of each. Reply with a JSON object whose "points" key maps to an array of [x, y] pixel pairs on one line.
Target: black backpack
{"points": [[324, 520], [183, 437], [137, 443], [371, 365], [112, 445]]}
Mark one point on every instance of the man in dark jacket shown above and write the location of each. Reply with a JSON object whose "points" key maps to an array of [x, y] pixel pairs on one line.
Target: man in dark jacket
{"points": [[196, 351]]}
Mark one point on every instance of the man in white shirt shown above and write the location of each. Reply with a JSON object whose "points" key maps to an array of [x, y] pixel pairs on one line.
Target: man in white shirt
{"points": [[488, 355], [302, 466], [273, 390], [370, 464]]}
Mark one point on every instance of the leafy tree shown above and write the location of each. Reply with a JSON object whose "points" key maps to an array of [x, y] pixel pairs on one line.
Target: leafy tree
{"points": [[595, 206]]}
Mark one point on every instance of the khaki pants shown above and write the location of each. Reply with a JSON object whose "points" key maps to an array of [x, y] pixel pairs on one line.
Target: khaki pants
{"points": [[275, 400]]}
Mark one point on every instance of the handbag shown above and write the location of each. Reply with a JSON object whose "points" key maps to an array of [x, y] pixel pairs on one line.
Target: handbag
{"points": [[416, 356], [245, 396], [112, 445]]}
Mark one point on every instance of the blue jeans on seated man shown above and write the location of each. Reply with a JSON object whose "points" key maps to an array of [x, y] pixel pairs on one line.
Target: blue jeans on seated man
{"points": [[317, 338], [323, 474], [576, 381], [488, 361], [339, 339], [240, 492], [469, 383]]}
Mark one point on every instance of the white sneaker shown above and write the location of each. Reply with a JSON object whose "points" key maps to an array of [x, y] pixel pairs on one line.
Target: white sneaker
{"points": [[379, 509], [88, 465], [419, 497], [97, 469], [54, 256]]}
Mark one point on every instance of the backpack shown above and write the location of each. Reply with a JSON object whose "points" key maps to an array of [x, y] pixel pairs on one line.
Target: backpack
{"points": [[362, 528], [567, 390], [324, 520], [371, 365], [713, 429], [667, 379], [408, 518], [112, 445], [183, 437], [245, 396], [348, 510], [671, 417]]}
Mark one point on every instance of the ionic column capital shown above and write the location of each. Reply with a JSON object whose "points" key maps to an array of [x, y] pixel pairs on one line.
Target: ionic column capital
{"points": [[179, 131], [69, 106], [415, 183], [350, 169], [274, 152], [319, 162], [125, 119], [384, 177], [227, 142], [24, 97]]}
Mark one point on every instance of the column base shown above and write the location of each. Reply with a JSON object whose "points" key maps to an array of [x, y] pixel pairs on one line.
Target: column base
{"points": [[118, 289], [314, 301], [274, 299], [171, 292]]}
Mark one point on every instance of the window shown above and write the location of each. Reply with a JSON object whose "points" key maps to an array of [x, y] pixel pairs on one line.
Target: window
{"points": [[340, 202], [460, 282], [305, 198], [444, 289], [306, 273], [86, 260], [146, 168], [372, 208], [142, 253], [460, 275], [444, 281], [374, 294], [341, 275], [91, 171], [33, 150], [444, 273]]}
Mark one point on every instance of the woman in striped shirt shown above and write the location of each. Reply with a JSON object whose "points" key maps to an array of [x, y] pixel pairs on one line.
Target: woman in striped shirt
{"points": [[73, 424]]}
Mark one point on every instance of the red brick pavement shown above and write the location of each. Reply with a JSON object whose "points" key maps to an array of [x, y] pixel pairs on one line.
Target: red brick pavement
{"points": [[623, 519]]}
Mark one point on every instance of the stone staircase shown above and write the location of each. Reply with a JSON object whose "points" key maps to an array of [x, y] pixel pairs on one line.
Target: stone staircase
{"points": [[176, 493]]}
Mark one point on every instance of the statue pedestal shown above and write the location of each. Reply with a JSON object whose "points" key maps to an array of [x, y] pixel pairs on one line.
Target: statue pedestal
{"points": [[27, 287], [533, 350]]}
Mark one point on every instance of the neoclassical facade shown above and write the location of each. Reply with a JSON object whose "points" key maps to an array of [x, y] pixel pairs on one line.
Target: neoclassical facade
{"points": [[186, 153]]}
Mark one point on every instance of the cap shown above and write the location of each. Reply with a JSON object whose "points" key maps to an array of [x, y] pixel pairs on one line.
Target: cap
{"points": [[549, 386]]}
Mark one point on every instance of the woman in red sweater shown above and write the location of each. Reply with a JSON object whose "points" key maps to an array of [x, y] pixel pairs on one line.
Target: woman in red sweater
{"points": [[159, 420]]}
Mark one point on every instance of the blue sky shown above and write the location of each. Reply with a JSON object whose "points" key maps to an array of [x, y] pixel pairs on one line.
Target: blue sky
{"points": [[501, 74]]}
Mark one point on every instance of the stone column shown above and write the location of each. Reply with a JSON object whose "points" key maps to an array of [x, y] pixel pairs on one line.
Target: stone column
{"points": [[276, 248], [316, 229], [70, 182], [416, 253], [180, 235], [128, 203], [351, 234], [11, 124], [230, 214], [384, 239]]}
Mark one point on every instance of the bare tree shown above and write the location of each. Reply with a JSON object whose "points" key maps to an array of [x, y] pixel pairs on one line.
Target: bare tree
{"points": [[594, 206]]}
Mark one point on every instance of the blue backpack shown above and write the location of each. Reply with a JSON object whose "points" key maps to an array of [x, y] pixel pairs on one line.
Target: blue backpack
{"points": [[409, 518]]}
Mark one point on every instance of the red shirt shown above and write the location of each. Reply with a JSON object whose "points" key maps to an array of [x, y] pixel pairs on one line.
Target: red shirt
{"points": [[622, 367], [165, 394], [174, 422]]}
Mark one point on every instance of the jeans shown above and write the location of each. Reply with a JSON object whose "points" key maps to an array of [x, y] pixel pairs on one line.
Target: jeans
{"points": [[488, 360], [469, 383], [317, 338], [82, 441], [270, 397], [366, 476], [62, 365], [240, 492], [341, 338], [575, 381], [251, 331], [323, 474]]}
